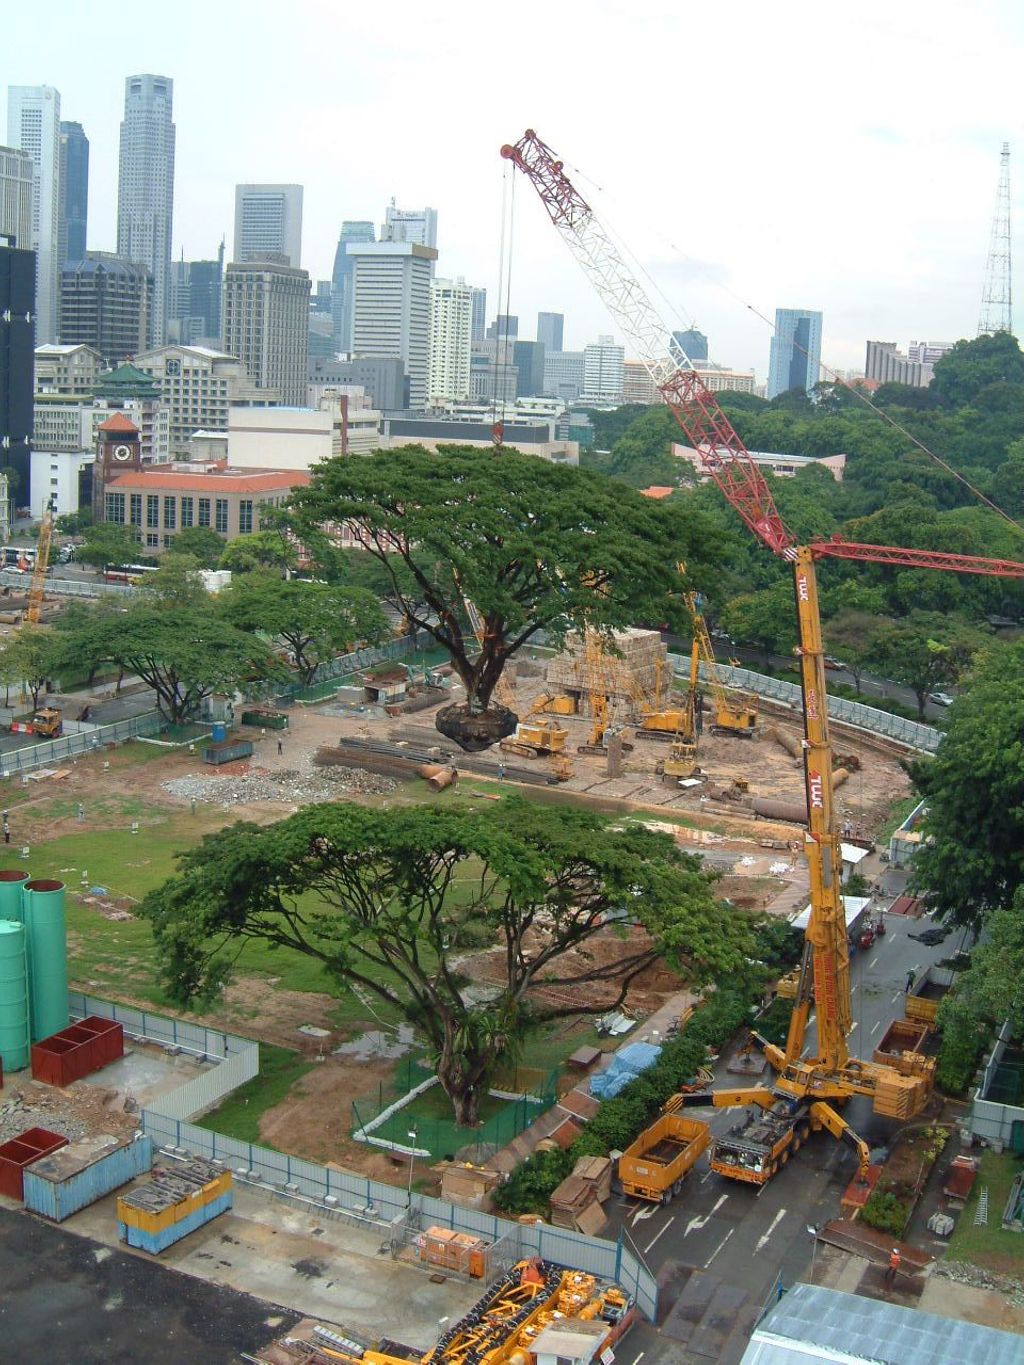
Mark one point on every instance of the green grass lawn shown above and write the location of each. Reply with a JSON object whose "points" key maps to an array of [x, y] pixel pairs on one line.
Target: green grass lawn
{"points": [[239, 1115], [896, 816], [989, 1246]]}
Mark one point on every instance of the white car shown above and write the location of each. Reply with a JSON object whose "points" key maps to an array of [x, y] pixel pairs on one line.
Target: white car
{"points": [[941, 698]]}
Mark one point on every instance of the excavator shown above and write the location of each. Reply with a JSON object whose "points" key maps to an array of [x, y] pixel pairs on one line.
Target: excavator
{"points": [[811, 1082]]}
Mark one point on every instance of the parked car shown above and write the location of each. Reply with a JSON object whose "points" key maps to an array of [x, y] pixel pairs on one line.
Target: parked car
{"points": [[940, 698], [832, 662]]}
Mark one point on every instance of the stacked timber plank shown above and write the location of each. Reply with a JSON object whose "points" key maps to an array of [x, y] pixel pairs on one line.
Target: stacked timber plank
{"points": [[636, 666], [900, 1097]]}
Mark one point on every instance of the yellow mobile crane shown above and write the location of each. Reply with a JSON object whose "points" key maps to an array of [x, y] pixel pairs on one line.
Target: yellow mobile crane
{"points": [[806, 1088], [37, 586], [734, 713]]}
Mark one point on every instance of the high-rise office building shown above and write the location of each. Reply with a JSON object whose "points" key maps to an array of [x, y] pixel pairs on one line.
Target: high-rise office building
{"points": [[266, 325], [795, 358], [17, 364], [928, 352], [451, 318], [341, 281], [418, 226], [692, 343], [268, 224], [505, 327], [637, 384], [478, 326], [105, 303], [603, 371], [74, 192], [196, 291], [33, 125], [391, 307], [145, 186], [563, 374], [550, 327], [16, 196], [528, 358]]}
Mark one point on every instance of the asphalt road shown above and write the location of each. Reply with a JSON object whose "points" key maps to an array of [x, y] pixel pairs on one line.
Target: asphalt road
{"points": [[721, 1248]]}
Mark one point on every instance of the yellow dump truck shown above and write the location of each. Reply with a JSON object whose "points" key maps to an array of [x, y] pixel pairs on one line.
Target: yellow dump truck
{"points": [[656, 1164]]}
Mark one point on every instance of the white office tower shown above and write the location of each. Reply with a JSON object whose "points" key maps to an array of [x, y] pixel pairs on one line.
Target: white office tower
{"points": [[391, 308], [451, 321], [16, 190], [145, 186], [409, 225], [268, 224], [33, 126], [604, 366]]}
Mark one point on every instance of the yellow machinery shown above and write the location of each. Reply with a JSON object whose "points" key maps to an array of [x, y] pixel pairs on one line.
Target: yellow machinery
{"points": [[501, 1328], [735, 713], [37, 587], [553, 704]]}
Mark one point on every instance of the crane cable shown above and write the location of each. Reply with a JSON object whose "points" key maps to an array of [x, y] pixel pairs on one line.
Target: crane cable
{"points": [[860, 394], [500, 368]]}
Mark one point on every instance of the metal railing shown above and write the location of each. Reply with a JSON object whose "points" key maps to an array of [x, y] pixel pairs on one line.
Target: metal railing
{"points": [[69, 587], [15, 761], [910, 732]]}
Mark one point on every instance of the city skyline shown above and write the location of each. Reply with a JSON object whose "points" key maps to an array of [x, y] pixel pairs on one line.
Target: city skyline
{"points": [[872, 237]]}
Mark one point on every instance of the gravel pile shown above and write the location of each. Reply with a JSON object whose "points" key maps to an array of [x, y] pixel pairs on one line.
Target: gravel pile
{"points": [[282, 784], [74, 1115], [963, 1273]]}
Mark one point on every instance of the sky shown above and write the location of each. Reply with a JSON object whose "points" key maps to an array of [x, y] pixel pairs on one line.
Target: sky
{"points": [[752, 156]]}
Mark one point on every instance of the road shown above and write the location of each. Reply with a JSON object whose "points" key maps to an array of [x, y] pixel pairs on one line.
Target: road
{"points": [[721, 1248]]}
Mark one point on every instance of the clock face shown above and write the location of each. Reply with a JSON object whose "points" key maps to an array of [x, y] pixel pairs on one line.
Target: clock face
{"points": [[172, 366], [122, 453]]}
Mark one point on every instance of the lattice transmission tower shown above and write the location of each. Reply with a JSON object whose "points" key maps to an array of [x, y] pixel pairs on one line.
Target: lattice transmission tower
{"points": [[997, 294]]}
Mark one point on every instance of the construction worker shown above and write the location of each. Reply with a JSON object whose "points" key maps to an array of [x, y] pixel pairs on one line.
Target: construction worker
{"points": [[894, 1265], [910, 982]]}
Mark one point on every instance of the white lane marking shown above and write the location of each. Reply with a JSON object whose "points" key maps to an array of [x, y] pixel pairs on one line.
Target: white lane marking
{"points": [[853, 988], [659, 1232], [700, 1219], [763, 1241], [916, 967], [719, 1247], [644, 1211], [710, 1173], [876, 1028], [639, 1358], [895, 997], [761, 1190], [873, 962], [852, 1027], [719, 1204]]}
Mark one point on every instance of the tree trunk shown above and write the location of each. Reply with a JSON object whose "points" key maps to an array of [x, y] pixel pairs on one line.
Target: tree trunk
{"points": [[463, 1075]]}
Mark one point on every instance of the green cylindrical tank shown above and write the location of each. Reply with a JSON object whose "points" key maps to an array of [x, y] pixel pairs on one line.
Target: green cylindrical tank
{"points": [[11, 883], [47, 957], [14, 1044]]}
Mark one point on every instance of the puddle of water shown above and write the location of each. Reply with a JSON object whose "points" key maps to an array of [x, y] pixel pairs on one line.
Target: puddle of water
{"points": [[375, 1045]]}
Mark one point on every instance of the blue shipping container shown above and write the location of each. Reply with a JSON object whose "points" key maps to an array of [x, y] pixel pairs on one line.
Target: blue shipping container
{"points": [[81, 1173], [156, 1242]]}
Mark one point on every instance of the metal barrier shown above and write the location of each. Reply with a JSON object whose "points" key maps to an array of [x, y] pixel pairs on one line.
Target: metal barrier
{"points": [[910, 732], [69, 587], [16, 761]]}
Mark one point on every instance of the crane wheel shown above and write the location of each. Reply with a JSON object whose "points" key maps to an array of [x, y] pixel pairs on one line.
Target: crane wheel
{"points": [[784, 1157], [804, 1130], [797, 1142]]}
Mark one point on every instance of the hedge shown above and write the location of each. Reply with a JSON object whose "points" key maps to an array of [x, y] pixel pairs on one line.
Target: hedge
{"points": [[620, 1120]]}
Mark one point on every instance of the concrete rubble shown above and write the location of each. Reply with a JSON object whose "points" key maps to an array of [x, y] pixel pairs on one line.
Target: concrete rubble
{"points": [[282, 784], [962, 1273]]}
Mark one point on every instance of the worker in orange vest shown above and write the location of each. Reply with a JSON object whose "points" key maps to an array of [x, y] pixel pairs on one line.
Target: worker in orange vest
{"points": [[894, 1265]]}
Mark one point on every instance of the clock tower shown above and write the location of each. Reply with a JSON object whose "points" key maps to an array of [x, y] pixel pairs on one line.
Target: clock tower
{"points": [[118, 450]]}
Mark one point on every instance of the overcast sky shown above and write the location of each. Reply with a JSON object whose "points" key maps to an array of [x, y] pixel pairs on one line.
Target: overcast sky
{"points": [[788, 154]]}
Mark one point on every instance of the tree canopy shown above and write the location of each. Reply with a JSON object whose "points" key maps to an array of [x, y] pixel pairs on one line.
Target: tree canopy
{"points": [[202, 543], [108, 542], [533, 545], [388, 902]]}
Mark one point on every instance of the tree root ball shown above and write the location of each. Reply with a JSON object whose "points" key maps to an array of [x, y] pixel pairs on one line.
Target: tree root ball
{"points": [[475, 731]]}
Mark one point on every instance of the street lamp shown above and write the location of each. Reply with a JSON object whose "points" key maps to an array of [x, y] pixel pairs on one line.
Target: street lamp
{"points": [[412, 1133], [812, 1231]]}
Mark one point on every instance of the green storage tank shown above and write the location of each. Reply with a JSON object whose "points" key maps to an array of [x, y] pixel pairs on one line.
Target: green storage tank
{"points": [[14, 1024], [12, 882], [47, 956]]}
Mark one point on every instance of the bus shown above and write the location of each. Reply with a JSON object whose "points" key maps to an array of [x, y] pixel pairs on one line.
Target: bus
{"points": [[127, 573], [18, 556]]}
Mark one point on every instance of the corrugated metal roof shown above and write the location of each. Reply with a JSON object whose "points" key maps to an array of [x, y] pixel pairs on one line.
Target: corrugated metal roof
{"points": [[815, 1323]]}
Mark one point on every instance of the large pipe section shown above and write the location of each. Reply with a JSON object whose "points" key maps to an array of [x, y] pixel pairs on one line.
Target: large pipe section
{"points": [[14, 1007], [46, 934]]}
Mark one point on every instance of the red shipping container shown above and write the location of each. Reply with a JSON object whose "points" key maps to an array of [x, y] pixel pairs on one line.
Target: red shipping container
{"points": [[109, 1037], [21, 1152], [50, 1062], [77, 1051]]}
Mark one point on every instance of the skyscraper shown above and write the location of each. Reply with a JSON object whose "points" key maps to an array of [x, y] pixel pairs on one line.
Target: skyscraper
{"points": [[451, 315], [196, 290], [505, 327], [145, 186], [266, 325], [603, 371], [391, 307], [74, 192], [795, 358], [692, 343], [268, 224], [17, 350], [528, 358], [549, 330], [105, 303], [478, 326], [341, 281], [409, 225], [33, 125], [16, 196]]}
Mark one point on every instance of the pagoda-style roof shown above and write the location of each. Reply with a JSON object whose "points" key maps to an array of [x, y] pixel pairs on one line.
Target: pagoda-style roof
{"points": [[119, 423], [126, 381]]}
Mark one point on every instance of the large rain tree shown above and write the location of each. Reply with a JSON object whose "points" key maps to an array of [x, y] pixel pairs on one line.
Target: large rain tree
{"points": [[388, 902], [535, 546]]}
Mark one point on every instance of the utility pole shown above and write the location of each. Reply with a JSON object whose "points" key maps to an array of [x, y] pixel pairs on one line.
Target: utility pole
{"points": [[997, 293]]}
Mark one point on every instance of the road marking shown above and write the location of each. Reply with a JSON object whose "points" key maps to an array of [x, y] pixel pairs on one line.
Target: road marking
{"points": [[763, 1241], [719, 1247], [708, 1176], [639, 1358], [853, 988], [658, 1233], [895, 997], [700, 1219], [876, 1028], [852, 1027], [916, 967], [873, 962], [644, 1211], [761, 1190]]}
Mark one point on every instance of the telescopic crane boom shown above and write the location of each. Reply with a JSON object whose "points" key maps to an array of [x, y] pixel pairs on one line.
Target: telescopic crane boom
{"points": [[831, 1073]]}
